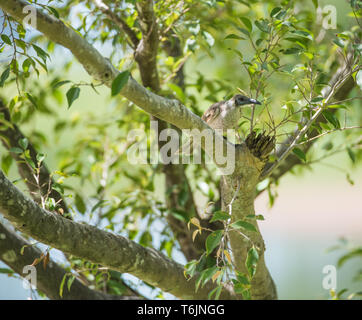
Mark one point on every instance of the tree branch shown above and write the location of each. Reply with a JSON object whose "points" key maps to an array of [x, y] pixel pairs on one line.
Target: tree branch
{"points": [[146, 52], [119, 22], [38, 189], [50, 278], [98, 246], [43, 187]]}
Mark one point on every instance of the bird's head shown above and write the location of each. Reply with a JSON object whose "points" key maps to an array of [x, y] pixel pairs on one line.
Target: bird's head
{"points": [[241, 100]]}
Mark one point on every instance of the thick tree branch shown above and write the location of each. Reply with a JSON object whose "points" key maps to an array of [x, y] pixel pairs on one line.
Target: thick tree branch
{"points": [[98, 246], [50, 278], [238, 197], [42, 188]]}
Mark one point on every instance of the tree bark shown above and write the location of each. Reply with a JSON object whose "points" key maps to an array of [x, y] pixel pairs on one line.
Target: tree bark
{"points": [[239, 191], [88, 242], [49, 279]]}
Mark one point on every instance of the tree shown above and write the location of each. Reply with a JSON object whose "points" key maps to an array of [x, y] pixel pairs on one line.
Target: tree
{"points": [[152, 43]]}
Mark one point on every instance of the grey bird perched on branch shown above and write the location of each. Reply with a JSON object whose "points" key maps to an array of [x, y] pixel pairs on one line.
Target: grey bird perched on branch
{"points": [[224, 115]]}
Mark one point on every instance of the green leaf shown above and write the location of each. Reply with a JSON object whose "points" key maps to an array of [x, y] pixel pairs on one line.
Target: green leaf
{"points": [[247, 23], [32, 100], [352, 254], [41, 53], [60, 83], [53, 11], [240, 55], [317, 99], [246, 295], [219, 215], [6, 162], [339, 43], [215, 292], [246, 32], [251, 261], [262, 25], [331, 118], [351, 155], [40, 157], [239, 288], [337, 106], [61, 287], [300, 154], [315, 2], [190, 268], [6, 39], [242, 278], [177, 91], [303, 34], [243, 224], [145, 239], [4, 76], [6, 271], [16, 150], [293, 50], [233, 36], [275, 11], [119, 82], [208, 38], [26, 64], [72, 95], [213, 241], [23, 143], [70, 282], [281, 15], [207, 274], [80, 204]]}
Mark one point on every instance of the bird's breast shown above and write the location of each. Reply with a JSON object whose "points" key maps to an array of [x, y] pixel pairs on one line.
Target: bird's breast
{"points": [[228, 119]]}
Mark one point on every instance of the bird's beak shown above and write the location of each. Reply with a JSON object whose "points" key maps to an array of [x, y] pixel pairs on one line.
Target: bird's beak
{"points": [[253, 101]]}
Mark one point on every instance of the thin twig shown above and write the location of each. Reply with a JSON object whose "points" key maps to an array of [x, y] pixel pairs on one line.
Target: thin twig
{"points": [[327, 132], [300, 133], [119, 22]]}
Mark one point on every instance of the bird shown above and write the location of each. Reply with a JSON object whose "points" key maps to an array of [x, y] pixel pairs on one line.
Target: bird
{"points": [[224, 115]]}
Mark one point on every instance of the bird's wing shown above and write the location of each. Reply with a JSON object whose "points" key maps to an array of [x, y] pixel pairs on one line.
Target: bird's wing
{"points": [[211, 113]]}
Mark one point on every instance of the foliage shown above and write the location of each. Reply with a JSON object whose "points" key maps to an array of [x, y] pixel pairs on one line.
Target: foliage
{"points": [[352, 252], [274, 50]]}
